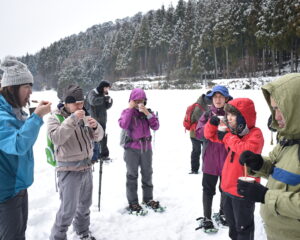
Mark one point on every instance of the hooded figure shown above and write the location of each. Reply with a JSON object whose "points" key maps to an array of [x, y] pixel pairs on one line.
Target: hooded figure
{"points": [[97, 103], [137, 120], [281, 197], [203, 105], [242, 136]]}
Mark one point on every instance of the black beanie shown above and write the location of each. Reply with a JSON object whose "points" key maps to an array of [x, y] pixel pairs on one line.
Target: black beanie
{"points": [[103, 84], [73, 93]]}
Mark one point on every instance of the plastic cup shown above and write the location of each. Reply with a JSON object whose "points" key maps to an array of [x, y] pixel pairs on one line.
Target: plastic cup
{"points": [[221, 118], [140, 105], [86, 121], [222, 128], [247, 179]]}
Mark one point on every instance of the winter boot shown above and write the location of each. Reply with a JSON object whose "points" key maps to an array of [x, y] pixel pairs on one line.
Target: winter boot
{"points": [[136, 209], [154, 205], [87, 237], [207, 225], [220, 219]]}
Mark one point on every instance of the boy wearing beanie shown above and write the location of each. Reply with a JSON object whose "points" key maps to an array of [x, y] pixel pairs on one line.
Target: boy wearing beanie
{"points": [[18, 133]]}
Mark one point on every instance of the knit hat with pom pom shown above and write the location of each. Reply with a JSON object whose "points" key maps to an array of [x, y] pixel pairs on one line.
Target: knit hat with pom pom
{"points": [[14, 73]]}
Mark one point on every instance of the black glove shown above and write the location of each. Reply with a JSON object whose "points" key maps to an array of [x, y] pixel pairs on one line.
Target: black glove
{"points": [[107, 99], [214, 120], [252, 160], [221, 135], [252, 191]]}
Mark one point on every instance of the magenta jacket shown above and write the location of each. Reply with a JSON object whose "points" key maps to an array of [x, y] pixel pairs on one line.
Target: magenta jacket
{"points": [[213, 153], [138, 124]]}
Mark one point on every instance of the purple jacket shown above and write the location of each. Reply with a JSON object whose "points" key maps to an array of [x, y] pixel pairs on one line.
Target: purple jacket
{"points": [[213, 153], [138, 124]]}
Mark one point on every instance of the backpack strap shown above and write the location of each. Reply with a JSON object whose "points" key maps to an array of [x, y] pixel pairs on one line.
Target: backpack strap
{"points": [[60, 117]]}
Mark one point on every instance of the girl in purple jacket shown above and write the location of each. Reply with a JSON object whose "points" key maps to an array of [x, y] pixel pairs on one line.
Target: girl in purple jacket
{"points": [[137, 120], [214, 155]]}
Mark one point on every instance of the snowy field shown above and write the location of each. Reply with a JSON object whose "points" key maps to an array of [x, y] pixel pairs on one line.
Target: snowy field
{"points": [[173, 186]]}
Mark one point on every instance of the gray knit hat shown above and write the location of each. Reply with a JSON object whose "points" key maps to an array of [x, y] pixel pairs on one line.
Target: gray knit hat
{"points": [[15, 72], [72, 94]]}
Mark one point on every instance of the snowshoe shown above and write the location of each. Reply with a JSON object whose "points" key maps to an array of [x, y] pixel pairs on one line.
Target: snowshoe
{"points": [[106, 159], [87, 237], [136, 209], [154, 205], [207, 225], [220, 219]]}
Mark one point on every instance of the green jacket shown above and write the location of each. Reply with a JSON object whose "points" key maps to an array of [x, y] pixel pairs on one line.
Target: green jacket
{"points": [[281, 210], [197, 113]]}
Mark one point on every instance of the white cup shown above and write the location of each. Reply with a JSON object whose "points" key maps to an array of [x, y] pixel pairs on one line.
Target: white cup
{"points": [[222, 128], [86, 122], [140, 105], [221, 118], [247, 179]]}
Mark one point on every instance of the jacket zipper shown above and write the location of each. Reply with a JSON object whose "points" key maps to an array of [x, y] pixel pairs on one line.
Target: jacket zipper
{"points": [[84, 141], [78, 141]]}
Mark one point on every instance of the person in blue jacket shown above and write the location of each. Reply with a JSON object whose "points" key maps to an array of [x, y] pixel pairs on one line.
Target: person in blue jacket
{"points": [[18, 133]]}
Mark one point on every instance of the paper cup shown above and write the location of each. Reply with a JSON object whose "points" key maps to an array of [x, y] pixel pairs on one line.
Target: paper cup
{"points": [[247, 179], [221, 118], [86, 122], [140, 105], [222, 128]]}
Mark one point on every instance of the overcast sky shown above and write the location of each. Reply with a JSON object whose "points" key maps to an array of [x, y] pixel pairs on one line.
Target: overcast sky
{"points": [[28, 25]]}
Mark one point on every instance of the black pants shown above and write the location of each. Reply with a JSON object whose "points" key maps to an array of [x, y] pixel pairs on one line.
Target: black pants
{"points": [[100, 149], [13, 217], [195, 155], [209, 183], [104, 152], [239, 214]]}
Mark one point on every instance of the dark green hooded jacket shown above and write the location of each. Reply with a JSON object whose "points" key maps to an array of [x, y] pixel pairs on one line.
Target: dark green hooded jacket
{"points": [[281, 210]]}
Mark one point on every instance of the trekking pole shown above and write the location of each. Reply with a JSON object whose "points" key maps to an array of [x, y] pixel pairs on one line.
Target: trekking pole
{"points": [[100, 183]]}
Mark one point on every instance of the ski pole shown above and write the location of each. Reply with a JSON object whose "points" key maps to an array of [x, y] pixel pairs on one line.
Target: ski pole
{"points": [[100, 183]]}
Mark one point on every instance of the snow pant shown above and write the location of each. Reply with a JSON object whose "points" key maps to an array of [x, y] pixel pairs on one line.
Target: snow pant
{"points": [[209, 183], [195, 155], [13, 217], [239, 214], [135, 158], [75, 190]]}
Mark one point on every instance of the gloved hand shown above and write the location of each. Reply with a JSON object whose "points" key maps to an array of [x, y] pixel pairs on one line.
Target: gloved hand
{"points": [[108, 99], [214, 120], [252, 191], [221, 135], [252, 160]]}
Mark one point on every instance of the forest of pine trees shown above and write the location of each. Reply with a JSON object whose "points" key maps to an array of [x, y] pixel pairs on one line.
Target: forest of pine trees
{"points": [[197, 39]]}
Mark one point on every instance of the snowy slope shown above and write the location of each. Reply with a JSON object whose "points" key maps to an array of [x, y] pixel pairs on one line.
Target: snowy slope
{"points": [[173, 186]]}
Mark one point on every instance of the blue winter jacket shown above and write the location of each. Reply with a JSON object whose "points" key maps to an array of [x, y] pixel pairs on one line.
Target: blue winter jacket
{"points": [[16, 156]]}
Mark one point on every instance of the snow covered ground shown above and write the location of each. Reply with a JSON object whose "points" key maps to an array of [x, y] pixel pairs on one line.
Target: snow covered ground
{"points": [[173, 186]]}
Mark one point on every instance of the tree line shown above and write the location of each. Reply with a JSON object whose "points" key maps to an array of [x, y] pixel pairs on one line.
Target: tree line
{"points": [[196, 40]]}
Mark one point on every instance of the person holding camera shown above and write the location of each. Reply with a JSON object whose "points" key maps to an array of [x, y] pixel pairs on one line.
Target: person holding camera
{"points": [[18, 133], [137, 120]]}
